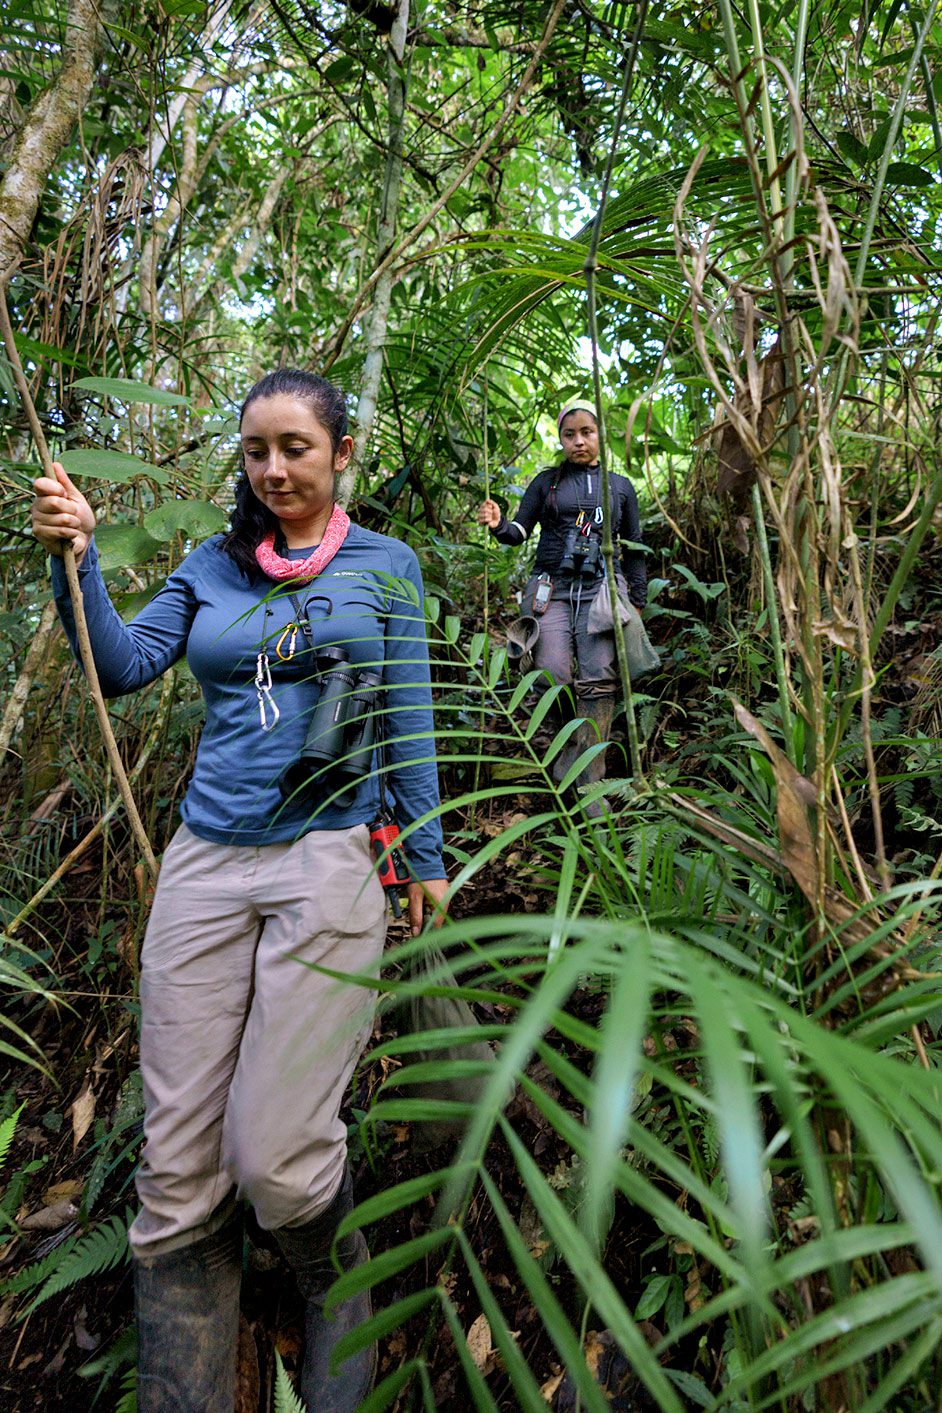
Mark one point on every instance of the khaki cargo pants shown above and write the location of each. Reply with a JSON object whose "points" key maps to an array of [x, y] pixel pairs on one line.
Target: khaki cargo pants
{"points": [[245, 1052]]}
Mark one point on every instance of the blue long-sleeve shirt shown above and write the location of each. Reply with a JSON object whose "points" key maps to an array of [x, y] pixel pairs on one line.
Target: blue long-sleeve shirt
{"points": [[368, 601]]}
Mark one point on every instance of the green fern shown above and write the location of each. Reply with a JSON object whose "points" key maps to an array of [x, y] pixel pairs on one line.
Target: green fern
{"points": [[286, 1400], [100, 1250], [128, 1111], [7, 1130], [39, 1271], [127, 1403], [105, 1367]]}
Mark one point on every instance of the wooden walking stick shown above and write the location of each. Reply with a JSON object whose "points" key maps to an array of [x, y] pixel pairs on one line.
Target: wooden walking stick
{"points": [[75, 593]]}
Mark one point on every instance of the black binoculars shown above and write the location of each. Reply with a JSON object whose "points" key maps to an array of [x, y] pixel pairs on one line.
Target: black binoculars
{"points": [[582, 555], [338, 747]]}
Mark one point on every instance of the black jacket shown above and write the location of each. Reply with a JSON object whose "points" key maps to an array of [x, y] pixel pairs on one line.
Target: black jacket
{"points": [[577, 488]]}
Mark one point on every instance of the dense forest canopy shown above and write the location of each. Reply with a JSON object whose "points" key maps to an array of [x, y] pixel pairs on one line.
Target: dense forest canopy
{"points": [[704, 1170]]}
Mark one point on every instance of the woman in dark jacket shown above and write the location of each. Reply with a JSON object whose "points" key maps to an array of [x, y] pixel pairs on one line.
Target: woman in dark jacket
{"points": [[566, 502]]}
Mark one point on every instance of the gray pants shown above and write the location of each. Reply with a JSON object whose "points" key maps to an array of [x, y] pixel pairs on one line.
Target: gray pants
{"points": [[565, 637], [245, 1052]]}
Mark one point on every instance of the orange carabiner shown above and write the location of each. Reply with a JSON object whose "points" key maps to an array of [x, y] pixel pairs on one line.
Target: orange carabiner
{"points": [[292, 628]]}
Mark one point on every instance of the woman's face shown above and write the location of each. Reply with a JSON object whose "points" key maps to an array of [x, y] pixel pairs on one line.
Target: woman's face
{"points": [[579, 436], [290, 462]]}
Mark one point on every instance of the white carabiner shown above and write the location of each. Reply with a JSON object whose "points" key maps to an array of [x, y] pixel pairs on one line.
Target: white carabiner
{"points": [[264, 693]]}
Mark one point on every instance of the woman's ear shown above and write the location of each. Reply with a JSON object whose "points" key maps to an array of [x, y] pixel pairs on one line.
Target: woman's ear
{"points": [[343, 453]]}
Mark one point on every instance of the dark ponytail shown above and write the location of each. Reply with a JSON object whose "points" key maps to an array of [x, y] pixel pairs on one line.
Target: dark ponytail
{"points": [[251, 520]]}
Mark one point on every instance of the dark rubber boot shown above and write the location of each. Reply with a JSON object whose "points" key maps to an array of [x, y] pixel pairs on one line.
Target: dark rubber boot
{"points": [[598, 712], [558, 716], [187, 1306], [307, 1250]]}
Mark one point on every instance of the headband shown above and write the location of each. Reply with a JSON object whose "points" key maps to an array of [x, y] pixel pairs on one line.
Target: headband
{"points": [[577, 404]]}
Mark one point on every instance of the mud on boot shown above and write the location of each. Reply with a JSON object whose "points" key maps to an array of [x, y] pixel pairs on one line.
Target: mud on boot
{"points": [[187, 1308]]}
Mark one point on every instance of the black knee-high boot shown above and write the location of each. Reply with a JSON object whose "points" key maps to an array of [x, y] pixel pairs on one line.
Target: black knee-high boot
{"points": [[307, 1250], [598, 709], [187, 1307]]}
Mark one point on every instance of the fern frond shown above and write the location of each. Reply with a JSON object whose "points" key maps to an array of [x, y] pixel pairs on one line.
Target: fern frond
{"points": [[7, 1130], [286, 1400], [34, 1275], [99, 1251], [127, 1403]]}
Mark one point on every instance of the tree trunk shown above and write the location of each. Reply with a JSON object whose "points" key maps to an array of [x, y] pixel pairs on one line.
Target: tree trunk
{"points": [[159, 137], [385, 235], [47, 128]]}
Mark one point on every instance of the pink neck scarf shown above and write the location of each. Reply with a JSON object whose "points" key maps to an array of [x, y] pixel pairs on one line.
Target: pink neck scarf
{"points": [[277, 567]]}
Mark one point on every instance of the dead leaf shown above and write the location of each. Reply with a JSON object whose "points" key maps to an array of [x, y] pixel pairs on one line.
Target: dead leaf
{"points": [[51, 1218], [480, 1344], [57, 1362], [248, 1375], [549, 1388], [737, 468], [83, 1112], [60, 1191], [793, 792], [84, 1338], [531, 1229], [840, 631], [792, 796], [595, 1347]]}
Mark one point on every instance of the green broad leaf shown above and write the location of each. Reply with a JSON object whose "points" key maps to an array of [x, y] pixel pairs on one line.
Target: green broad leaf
{"points": [[98, 465], [340, 69], [387, 1319], [124, 546], [452, 628], [130, 605], [908, 174], [878, 142], [511, 770], [33, 348], [388, 1263], [128, 35], [525, 685], [852, 148], [196, 518], [129, 391], [901, 56], [655, 1293]]}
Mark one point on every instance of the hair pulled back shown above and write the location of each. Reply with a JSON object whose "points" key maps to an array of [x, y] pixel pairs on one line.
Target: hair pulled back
{"points": [[251, 520]]}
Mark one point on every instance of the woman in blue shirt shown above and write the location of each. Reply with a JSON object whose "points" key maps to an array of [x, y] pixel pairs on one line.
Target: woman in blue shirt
{"points": [[245, 1052]]}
